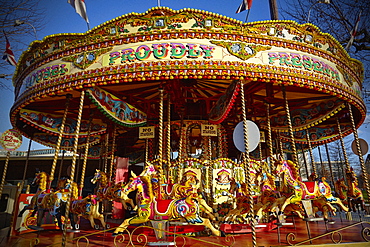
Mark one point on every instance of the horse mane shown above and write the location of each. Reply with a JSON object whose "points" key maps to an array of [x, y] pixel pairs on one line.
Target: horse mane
{"points": [[147, 181], [104, 178], [294, 169]]}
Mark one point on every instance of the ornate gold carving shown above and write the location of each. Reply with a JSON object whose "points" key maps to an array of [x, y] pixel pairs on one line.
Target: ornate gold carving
{"points": [[240, 49], [85, 59]]}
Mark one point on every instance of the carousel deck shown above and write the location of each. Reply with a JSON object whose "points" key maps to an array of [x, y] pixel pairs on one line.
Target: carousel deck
{"points": [[349, 235]]}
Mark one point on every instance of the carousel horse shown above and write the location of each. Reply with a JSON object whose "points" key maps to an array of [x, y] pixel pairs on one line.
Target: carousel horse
{"points": [[150, 208], [341, 190], [88, 208], [242, 203], [42, 180], [305, 190], [354, 194], [271, 199], [48, 200], [108, 192], [188, 188]]}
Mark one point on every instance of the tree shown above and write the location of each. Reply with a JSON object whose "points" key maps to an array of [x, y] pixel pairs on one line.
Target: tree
{"points": [[18, 18], [338, 18]]}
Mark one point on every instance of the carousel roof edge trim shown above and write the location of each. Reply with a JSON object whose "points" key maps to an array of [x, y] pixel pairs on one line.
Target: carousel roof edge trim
{"points": [[227, 25]]}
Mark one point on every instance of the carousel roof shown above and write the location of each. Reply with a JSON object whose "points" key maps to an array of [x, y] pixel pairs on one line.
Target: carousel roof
{"points": [[194, 56]]}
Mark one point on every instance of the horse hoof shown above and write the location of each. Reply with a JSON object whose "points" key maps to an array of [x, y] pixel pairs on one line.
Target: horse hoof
{"points": [[117, 233]]}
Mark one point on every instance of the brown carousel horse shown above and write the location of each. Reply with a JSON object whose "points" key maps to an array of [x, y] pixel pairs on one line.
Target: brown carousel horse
{"points": [[341, 190], [106, 191], [88, 208], [150, 207], [305, 190], [354, 194], [241, 209], [46, 200]]}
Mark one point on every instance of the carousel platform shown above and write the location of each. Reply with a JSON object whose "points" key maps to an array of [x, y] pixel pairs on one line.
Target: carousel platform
{"points": [[351, 233]]}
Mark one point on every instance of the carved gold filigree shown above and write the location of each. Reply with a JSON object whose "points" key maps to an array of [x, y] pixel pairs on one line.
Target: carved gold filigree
{"points": [[84, 59], [241, 50]]}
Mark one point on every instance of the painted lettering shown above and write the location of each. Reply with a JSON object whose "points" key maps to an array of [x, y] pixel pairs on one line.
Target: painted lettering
{"points": [[160, 51], [302, 61]]}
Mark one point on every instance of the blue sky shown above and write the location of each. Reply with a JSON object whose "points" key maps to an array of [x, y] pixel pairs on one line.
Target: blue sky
{"points": [[60, 17]]}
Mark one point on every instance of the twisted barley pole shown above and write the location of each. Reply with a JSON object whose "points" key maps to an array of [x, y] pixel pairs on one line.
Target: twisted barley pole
{"points": [[73, 166], [160, 148], [348, 214], [112, 155], [85, 156], [4, 172], [363, 168], [60, 137], [291, 133], [311, 155], [247, 166], [169, 171], [269, 132]]}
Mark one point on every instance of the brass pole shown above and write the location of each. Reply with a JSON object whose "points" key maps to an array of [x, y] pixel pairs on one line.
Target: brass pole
{"points": [[169, 172], [329, 162], [160, 140], [87, 146], [60, 137], [311, 156], [343, 147], [323, 170], [26, 165], [348, 214], [359, 151], [112, 155], [106, 153], [73, 165], [269, 133], [61, 165], [146, 150], [305, 161], [4, 172], [247, 165], [287, 111], [280, 146]]}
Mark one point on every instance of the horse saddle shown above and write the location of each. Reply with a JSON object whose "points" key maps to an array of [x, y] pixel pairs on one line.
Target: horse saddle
{"points": [[162, 206], [310, 185]]}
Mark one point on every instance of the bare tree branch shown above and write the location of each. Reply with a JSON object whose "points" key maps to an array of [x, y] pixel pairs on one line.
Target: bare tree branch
{"points": [[28, 12]]}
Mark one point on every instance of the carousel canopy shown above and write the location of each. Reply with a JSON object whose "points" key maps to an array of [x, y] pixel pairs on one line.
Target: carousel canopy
{"points": [[194, 56]]}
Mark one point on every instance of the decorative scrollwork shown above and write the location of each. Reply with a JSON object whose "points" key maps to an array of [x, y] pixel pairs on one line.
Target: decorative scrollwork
{"points": [[142, 239], [340, 237], [366, 234], [183, 240], [119, 239], [230, 240], [34, 242], [290, 238], [82, 237]]}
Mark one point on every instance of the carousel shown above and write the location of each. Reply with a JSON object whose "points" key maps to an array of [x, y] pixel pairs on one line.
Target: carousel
{"points": [[219, 112]]}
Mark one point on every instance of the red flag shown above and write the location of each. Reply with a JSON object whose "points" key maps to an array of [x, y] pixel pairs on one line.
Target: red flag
{"points": [[80, 7], [246, 4], [353, 32], [8, 54]]}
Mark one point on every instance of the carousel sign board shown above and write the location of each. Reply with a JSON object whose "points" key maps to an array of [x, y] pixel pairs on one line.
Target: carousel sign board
{"points": [[146, 132], [209, 130], [11, 140]]}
